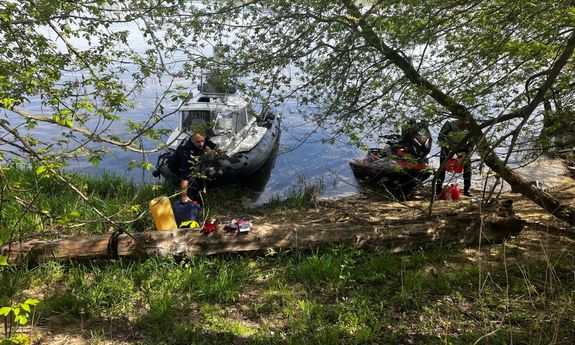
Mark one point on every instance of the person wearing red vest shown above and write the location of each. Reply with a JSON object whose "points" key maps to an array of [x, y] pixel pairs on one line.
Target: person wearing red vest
{"points": [[450, 140]]}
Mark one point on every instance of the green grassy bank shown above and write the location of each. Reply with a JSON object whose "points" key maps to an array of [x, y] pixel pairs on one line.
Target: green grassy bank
{"points": [[502, 294]]}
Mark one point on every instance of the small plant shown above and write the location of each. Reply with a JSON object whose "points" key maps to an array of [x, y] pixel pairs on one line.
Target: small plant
{"points": [[302, 196], [15, 317]]}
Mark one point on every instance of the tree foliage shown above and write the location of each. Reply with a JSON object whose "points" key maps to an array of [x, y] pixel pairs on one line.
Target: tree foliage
{"points": [[367, 66], [73, 67], [354, 67], [489, 56]]}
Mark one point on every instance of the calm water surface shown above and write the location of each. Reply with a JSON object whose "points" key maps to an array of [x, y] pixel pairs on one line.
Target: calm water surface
{"points": [[310, 161], [301, 158], [297, 161]]}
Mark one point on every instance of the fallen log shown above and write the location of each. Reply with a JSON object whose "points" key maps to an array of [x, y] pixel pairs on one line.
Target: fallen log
{"points": [[465, 228]]}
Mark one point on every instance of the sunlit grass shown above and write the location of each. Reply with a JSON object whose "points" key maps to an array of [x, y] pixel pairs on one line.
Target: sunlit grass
{"points": [[40, 203], [332, 295]]}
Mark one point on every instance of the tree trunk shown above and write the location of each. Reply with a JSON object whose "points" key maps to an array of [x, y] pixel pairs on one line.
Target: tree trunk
{"points": [[396, 236], [521, 185]]}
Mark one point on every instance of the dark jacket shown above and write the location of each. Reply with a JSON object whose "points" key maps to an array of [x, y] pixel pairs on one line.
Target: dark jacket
{"points": [[450, 136], [188, 155]]}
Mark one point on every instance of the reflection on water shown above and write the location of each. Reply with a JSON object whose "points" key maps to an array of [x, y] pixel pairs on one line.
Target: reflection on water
{"points": [[256, 183]]}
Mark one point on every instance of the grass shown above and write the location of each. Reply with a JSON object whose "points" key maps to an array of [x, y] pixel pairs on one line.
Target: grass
{"points": [[43, 204], [331, 295], [335, 295]]}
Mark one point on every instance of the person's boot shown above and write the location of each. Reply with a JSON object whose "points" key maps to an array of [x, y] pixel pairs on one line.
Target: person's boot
{"points": [[438, 190], [466, 192]]}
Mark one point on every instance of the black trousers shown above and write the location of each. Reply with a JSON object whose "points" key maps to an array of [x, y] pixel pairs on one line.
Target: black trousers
{"points": [[195, 187], [443, 158]]}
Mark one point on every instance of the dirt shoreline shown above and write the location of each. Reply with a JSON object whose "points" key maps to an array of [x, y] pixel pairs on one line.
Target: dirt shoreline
{"points": [[542, 235]]}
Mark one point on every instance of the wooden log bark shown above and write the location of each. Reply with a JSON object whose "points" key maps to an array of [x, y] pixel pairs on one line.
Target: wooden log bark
{"points": [[396, 236]]}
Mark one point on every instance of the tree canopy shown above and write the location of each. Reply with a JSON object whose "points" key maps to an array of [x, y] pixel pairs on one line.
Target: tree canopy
{"points": [[363, 66]]}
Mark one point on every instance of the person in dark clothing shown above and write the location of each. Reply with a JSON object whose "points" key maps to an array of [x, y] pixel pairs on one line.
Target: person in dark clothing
{"points": [[449, 139], [190, 154], [416, 138]]}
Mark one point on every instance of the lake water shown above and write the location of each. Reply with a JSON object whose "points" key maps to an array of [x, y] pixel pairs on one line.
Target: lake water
{"points": [[301, 155], [301, 158]]}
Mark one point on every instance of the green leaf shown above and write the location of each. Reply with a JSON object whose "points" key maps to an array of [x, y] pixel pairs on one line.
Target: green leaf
{"points": [[41, 170], [21, 319], [32, 301], [148, 166], [5, 311], [8, 103], [3, 261], [95, 160]]}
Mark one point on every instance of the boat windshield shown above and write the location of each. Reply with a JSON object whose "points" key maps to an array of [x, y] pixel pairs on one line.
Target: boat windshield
{"points": [[241, 119], [194, 118], [225, 122]]}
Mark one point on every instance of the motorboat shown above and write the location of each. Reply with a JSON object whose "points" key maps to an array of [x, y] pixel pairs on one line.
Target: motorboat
{"points": [[401, 165], [246, 140]]}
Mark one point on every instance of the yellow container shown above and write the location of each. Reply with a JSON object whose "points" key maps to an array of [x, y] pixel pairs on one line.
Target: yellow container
{"points": [[163, 214]]}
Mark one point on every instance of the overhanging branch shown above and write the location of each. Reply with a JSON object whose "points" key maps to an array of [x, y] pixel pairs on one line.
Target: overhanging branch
{"points": [[543, 199]]}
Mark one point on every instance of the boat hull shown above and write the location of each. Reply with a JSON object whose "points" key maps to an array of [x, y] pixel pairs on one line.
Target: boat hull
{"points": [[243, 164], [395, 174]]}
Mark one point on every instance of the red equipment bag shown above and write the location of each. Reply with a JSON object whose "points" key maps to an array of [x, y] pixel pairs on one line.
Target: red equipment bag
{"points": [[210, 226], [454, 165], [451, 192]]}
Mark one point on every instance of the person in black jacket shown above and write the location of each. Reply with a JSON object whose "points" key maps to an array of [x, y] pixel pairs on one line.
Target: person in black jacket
{"points": [[189, 155], [450, 140]]}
